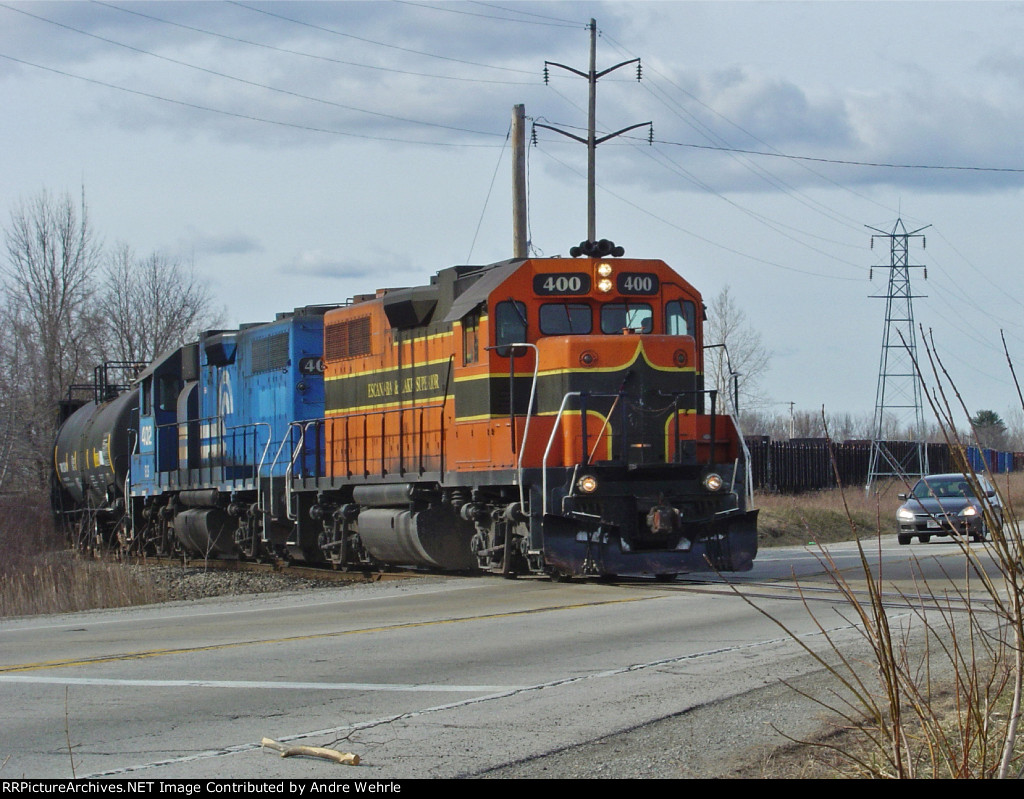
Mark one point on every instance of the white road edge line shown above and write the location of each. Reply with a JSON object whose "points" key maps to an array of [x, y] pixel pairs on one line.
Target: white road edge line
{"points": [[259, 684], [349, 728]]}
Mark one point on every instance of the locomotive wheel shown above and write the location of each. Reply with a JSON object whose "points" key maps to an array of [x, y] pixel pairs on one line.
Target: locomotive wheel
{"points": [[165, 540], [508, 555], [95, 542], [253, 550], [123, 536]]}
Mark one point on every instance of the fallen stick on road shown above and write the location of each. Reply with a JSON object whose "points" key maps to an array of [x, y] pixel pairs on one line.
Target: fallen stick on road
{"points": [[345, 758]]}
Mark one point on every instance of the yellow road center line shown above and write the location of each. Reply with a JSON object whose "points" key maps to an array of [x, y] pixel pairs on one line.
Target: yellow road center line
{"points": [[152, 653]]}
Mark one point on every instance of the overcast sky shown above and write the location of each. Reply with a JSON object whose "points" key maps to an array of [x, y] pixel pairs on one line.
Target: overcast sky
{"points": [[304, 152]]}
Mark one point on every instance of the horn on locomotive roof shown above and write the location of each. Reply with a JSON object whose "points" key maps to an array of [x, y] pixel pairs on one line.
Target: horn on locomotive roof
{"points": [[597, 249]]}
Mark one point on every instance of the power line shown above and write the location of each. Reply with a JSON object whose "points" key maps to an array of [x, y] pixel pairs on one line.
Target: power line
{"points": [[569, 22], [236, 115], [558, 24], [843, 162], [711, 135], [334, 32], [697, 236], [245, 81], [303, 54], [487, 199]]}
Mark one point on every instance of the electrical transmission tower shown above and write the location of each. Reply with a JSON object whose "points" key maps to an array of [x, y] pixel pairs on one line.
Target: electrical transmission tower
{"points": [[898, 398]]}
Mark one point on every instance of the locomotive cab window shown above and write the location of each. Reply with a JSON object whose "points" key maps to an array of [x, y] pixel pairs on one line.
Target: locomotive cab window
{"points": [[565, 319], [167, 397], [681, 318], [619, 316], [471, 338], [509, 325]]}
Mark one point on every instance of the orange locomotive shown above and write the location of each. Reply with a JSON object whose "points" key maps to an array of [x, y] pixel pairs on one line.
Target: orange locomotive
{"points": [[535, 415]]}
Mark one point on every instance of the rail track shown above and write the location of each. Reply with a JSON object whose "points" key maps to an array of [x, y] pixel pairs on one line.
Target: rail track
{"points": [[806, 592], [281, 568]]}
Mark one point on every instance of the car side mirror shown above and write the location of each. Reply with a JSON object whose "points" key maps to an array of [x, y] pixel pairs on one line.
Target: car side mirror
{"points": [[901, 496]]}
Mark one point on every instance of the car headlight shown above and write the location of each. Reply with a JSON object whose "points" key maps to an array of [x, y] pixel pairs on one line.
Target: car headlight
{"points": [[905, 515], [970, 510]]}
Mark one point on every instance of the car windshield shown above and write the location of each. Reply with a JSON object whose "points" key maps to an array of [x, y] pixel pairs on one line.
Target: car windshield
{"points": [[950, 487]]}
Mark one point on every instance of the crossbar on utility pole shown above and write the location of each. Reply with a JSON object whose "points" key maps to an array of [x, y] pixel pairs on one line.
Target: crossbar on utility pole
{"points": [[592, 139]]}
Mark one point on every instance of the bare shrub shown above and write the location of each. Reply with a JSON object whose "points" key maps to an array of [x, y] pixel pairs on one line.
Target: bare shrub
{"points": [[39, 575], [940, 693]]}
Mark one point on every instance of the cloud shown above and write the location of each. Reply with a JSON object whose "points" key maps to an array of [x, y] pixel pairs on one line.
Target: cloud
{"points": [[387, 269], [220, 244], [234, 73]]}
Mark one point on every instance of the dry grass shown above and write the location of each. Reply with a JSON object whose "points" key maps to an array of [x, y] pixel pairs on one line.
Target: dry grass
{"points": [[820, 517], [39, 575], [939, 694]]}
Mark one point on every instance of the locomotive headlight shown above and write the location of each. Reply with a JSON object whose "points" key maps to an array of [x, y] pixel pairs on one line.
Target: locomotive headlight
{"points": [[587, 484], [604, 270], [712, 481], [605, 285]]}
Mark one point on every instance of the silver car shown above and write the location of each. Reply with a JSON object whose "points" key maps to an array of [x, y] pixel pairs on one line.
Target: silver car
{"points": [[945, 504]]}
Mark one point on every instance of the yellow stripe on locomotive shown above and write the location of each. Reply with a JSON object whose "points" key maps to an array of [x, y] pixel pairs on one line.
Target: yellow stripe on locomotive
{"points": [[434, 393]]}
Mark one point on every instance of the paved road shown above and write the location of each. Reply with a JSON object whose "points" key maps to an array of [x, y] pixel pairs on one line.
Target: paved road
{"points": [[435, 677]]}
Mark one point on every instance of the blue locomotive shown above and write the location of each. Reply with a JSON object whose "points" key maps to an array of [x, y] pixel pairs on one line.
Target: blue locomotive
{"points": [[209, 427]]}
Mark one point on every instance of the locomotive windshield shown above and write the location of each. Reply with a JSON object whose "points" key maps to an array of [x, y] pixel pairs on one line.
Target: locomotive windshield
{"points": [[619, 316], [560, 319]]}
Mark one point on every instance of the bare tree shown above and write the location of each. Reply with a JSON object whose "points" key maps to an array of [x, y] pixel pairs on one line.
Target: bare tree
{"points": [[50, 277], [1015, 429], [49, 331], [735, 360], [149, 305]]}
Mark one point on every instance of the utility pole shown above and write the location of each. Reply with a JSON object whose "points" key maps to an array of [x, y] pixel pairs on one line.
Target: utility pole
{"points": [[899, 386], [519, 246], [592, 139]]}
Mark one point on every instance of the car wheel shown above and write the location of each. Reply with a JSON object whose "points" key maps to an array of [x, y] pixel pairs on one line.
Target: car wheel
{"points": [[903, 539], [924, 539]]}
